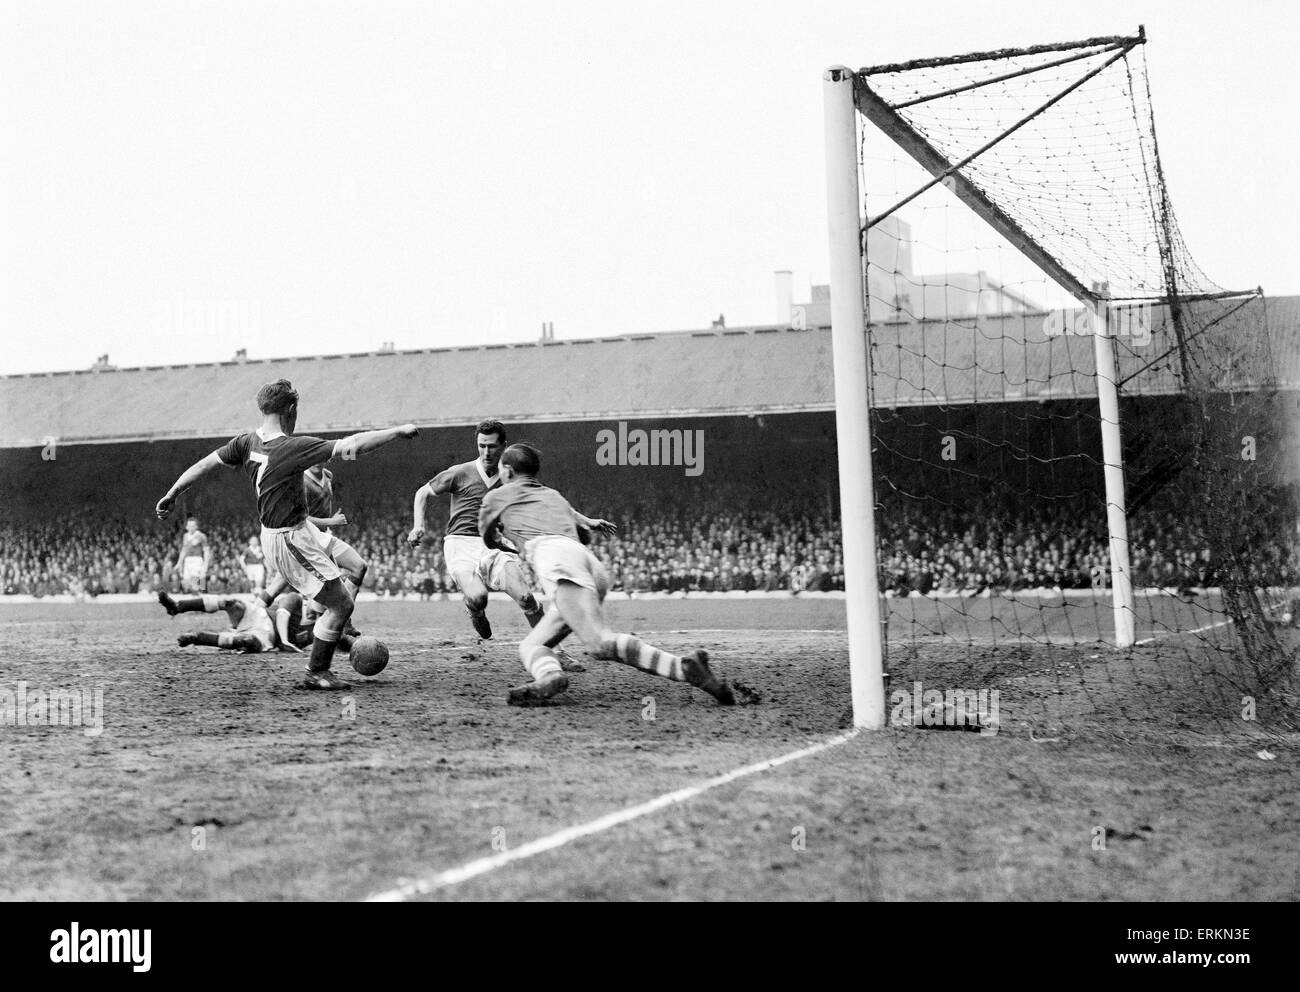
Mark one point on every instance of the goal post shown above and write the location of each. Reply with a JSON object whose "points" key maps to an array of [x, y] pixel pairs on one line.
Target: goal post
{"points": [[1006, 277], [1112, 455], [852, 406]]}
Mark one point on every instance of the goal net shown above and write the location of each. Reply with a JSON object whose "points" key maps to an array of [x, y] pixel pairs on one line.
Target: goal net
{"points": [[1083, 498]]}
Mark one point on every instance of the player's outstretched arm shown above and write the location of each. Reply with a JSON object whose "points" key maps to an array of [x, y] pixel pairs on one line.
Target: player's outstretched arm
{"points": [[417, 516], [283, 641], [338, 520], [607, 527], [353, 445], [187, 478]]}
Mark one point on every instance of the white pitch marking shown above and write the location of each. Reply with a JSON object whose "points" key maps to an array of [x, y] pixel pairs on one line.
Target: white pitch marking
{"points": [[1182, 633], [750, 630], [482, 866]]}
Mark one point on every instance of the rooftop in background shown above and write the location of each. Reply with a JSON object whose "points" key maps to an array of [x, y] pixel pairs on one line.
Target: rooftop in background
{"points": [[719, 372]]}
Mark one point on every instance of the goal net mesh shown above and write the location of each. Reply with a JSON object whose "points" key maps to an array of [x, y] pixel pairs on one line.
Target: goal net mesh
{"points": [[1013, 201]]}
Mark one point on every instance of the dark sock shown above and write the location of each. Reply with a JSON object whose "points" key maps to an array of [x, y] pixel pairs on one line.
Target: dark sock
{"points": [[208, 640], [188, 604], [322, 654]]}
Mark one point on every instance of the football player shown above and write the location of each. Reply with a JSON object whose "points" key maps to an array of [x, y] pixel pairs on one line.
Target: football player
{"points": [[475, 567], [250, 631], [195, 558], [541, 523], [253, 562], [274, 459]]}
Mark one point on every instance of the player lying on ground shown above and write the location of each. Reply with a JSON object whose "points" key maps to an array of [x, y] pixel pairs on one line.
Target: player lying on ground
{"points": [[293, 621], [251, 629], [308, 610], [541, 523], [274, 458], [476, 568]]}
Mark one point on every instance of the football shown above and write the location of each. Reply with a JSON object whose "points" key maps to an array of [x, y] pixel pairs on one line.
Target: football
{"points": [[369, 655]]}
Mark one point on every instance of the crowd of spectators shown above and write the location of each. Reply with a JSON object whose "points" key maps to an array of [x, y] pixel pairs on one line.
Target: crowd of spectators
{"points": [[710, 541]]}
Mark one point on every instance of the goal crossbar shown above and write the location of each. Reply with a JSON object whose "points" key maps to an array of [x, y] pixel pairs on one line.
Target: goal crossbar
{"points": [[1008, 53]]}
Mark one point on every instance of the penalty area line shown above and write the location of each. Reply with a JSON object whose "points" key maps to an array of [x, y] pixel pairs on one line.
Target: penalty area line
{"points": [[482, 866]]}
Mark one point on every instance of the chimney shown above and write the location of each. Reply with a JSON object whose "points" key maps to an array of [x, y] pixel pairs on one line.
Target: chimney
{"points": [[784, 296]]}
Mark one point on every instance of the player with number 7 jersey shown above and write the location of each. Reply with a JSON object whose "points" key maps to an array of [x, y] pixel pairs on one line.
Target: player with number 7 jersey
{"points": [[275, 458]]}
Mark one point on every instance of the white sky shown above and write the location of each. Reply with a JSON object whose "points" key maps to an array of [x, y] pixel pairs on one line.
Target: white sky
{"points": [[323, 177]]}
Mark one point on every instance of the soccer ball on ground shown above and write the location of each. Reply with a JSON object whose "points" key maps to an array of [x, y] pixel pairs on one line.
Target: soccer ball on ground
{"points": [[369, 655]]}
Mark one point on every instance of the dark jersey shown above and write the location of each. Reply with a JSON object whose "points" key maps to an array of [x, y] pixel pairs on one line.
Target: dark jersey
{"points": [[253, 556], [526, 509], [276, 467], [320, 494], [467, 486], [194, 544]]}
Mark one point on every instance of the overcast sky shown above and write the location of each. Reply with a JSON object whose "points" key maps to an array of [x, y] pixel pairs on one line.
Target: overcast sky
{"points": [[324, 177]]}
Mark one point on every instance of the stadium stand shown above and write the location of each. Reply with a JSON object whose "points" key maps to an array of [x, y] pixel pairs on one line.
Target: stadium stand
{"points": [[84, 455]]}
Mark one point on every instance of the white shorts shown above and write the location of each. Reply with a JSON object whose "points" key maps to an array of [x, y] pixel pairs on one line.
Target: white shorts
{"points": [[256, 575], [258, 622], [297, 554], [255, 619], [192, 571], [470, 554], [554, 558], [327, 541]]}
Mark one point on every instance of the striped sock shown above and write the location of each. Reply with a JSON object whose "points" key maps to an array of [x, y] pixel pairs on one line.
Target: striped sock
{"points": [[539, 661], [632, 651]]}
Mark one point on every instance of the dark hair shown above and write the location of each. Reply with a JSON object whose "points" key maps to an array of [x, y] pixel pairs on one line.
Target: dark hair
{"points": [[277, 397], [523, 458], [492, 427]]}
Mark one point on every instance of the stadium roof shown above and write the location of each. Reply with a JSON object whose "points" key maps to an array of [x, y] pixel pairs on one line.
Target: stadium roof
{"points": [[688, 373]]}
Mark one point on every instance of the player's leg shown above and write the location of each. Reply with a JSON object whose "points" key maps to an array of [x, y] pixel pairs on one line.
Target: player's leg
{"points": [[353, 567], [506, 573], [537, 652], [256, 575], [581, 609], [180, 604], [338, 603], [463, 555], [191, 604], [230, 640], [350, 563], [476, 600], [298, 556]]}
